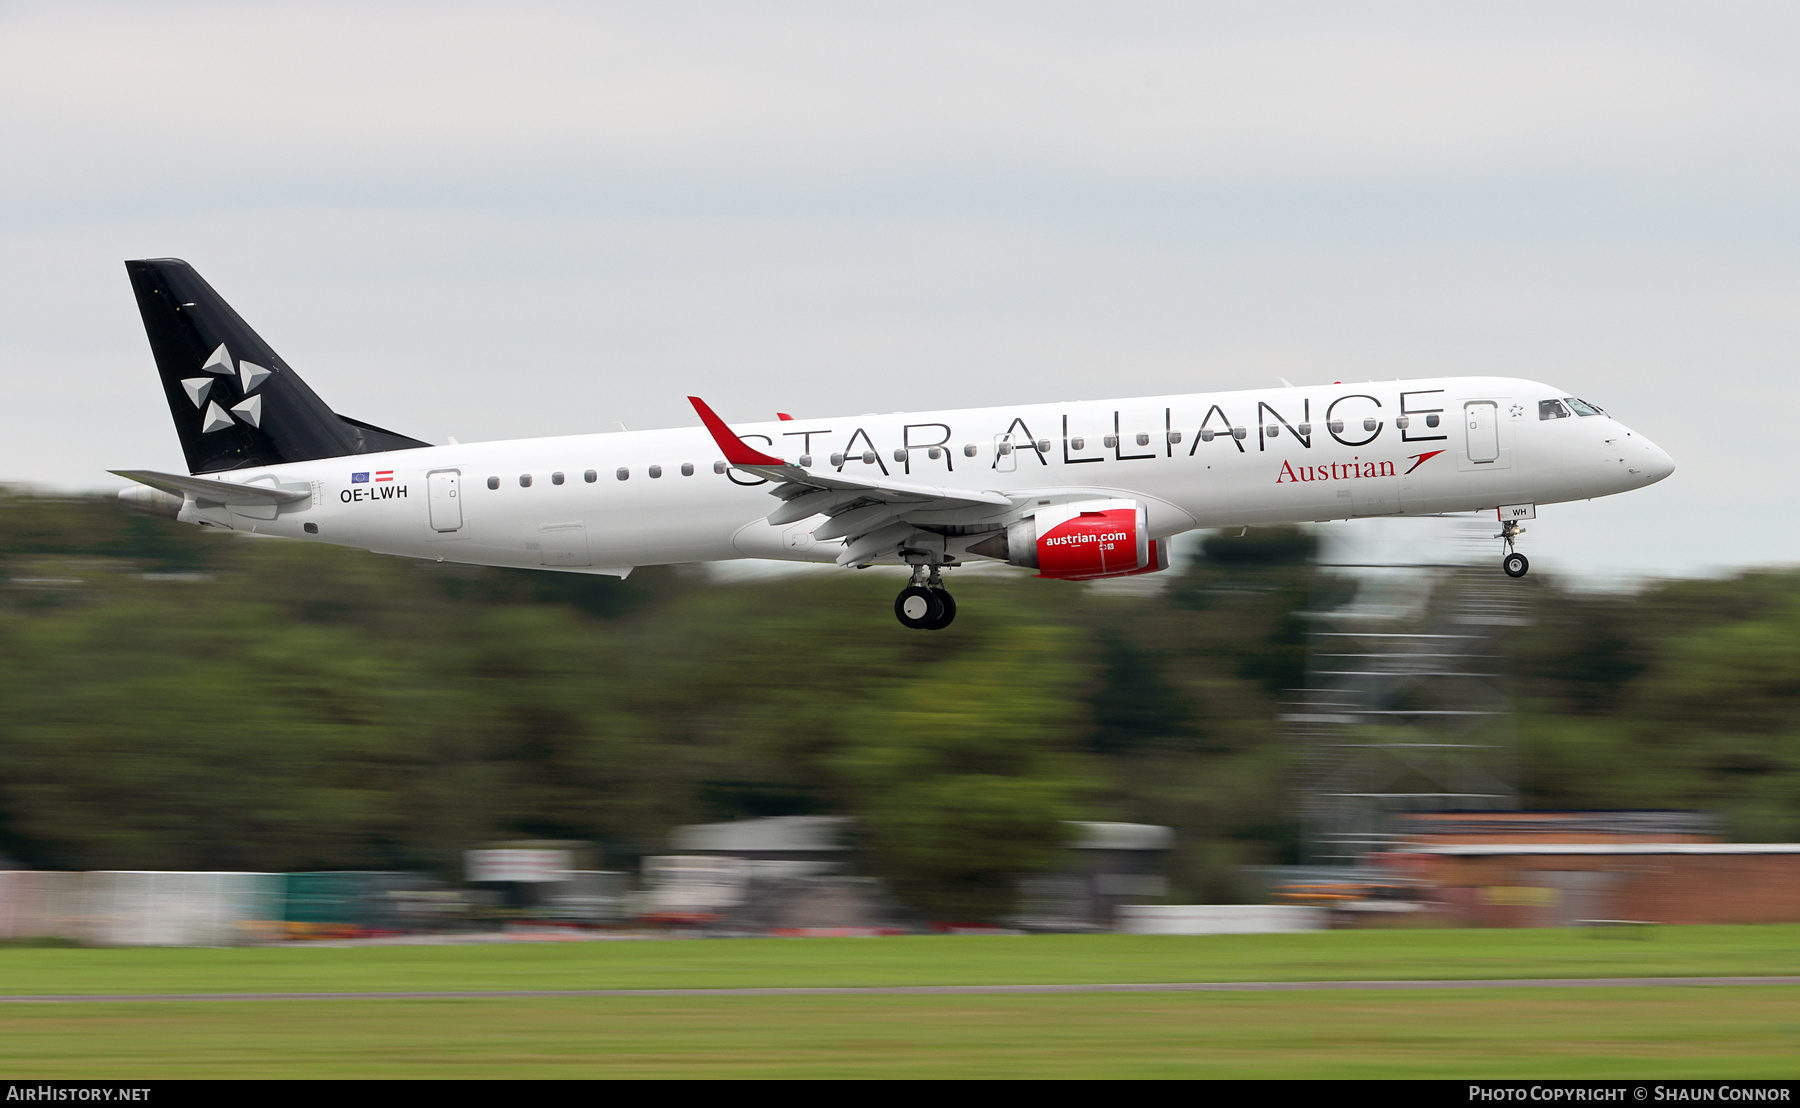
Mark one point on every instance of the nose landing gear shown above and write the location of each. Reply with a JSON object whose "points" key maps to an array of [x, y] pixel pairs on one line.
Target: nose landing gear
{"points": [[925, 605], [1514, 563]]}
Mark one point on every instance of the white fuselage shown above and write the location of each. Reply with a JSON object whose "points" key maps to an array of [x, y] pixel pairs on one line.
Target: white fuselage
{"points": [[608, 502]]}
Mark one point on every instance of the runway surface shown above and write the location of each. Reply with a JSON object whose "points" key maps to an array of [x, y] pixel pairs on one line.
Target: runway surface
{"points": [[929, 990]]}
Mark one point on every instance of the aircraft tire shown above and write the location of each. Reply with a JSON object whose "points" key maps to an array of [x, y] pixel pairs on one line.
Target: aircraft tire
{"points": [[947, 615], [1515, 565], [918, 608]]}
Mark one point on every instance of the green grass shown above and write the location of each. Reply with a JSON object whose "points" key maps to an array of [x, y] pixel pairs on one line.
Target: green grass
{"points": [[1734, 1031], [1696, 1032], [938, 960]]}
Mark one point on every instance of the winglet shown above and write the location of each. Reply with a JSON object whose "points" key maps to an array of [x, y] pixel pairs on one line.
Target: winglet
{"points": [[737, 451]]}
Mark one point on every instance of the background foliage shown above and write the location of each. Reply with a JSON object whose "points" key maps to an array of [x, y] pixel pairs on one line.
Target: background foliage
{"points": [[171, 698]]}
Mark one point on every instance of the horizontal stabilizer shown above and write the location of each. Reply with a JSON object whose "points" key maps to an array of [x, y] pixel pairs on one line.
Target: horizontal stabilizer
{"points": [[219, 492]]}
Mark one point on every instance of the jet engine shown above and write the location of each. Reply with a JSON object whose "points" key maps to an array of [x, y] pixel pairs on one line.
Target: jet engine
{"points": [[1080, 541]]}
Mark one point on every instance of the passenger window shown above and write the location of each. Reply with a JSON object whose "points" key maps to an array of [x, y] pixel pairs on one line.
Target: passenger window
{"points": [[590, 477], [718, 467], [1303, 430], [493, 482], [1078, 443], [934, 453], [1272, 430], [970, 450], [687, 468], [1552, 409], [524, 480], [1143, 439], [1335, 426], [1582, 407], [655, 472], [1431, 421], [1174, 437], [623, 474], [806, 461], [556, 478]]}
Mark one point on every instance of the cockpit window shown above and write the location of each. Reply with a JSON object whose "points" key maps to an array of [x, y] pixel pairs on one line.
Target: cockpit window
{"points": [[1552, 409], [1582, 407]]}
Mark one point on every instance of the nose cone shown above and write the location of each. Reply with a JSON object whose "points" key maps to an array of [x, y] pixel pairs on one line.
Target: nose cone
{"points": [[1654, 464]]}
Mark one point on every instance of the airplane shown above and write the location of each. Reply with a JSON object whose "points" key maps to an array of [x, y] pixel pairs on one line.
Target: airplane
{"points": [[1074, 491]]}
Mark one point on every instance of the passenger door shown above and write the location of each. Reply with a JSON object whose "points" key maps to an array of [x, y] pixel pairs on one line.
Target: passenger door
{"points": [[1482, 423], [445, 497]]}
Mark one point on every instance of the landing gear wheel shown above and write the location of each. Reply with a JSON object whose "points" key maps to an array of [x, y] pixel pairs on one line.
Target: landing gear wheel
{"points": [[1515, 564], [919, 608], [948, 613]]}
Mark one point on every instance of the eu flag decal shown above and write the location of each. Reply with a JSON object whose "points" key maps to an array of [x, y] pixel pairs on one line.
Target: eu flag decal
{"points": [[359, 478]]}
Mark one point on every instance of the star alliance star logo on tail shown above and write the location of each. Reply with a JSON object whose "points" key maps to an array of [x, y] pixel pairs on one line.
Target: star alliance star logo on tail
{"points": [[245, 375]]}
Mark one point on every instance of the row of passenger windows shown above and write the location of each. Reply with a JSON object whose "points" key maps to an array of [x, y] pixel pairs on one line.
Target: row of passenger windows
{"points": [[1273, 430], [1042, 446], [623, 473]]}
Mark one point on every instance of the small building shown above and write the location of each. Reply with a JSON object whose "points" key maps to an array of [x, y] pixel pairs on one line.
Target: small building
{"points": [[1551, 869], [547, 880], [1108, 865], [791, 846], [1491, 828], [779, 874]]}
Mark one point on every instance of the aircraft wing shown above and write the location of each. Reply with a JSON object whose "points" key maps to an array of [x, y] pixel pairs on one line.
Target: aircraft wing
{"points": [[870, 513], [221, 492]]}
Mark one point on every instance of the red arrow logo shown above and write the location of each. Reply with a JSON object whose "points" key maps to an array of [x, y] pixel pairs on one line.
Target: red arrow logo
{"points": [[1421, 459]]}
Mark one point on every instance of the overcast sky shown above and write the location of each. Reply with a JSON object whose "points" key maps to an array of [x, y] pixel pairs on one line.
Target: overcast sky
{"points": [[492, 221]]}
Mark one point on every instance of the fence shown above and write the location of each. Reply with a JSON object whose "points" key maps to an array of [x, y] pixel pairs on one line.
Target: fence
{"points": [[1218, 919], [140, 908]]}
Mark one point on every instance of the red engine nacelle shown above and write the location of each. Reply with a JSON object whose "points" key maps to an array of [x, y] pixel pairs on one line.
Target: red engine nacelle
{"points": [[1079, 541]]}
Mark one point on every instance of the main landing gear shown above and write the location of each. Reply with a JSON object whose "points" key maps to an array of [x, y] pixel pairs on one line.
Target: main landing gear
{"points": [[1514, 563], [925, 605]]}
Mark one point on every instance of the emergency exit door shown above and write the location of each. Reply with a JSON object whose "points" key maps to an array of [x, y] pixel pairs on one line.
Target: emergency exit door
{"points": [[445, 487], [1481, 418]]}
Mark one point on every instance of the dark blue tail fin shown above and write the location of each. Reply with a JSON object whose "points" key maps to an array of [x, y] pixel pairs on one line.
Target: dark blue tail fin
{"points": [[235, 402]]}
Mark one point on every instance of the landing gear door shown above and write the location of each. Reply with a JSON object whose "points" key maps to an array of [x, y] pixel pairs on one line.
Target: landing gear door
{"points": [[445, 486]]}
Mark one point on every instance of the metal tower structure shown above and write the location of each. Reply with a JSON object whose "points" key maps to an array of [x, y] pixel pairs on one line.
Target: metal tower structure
{"points": [[1409, 697]]}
